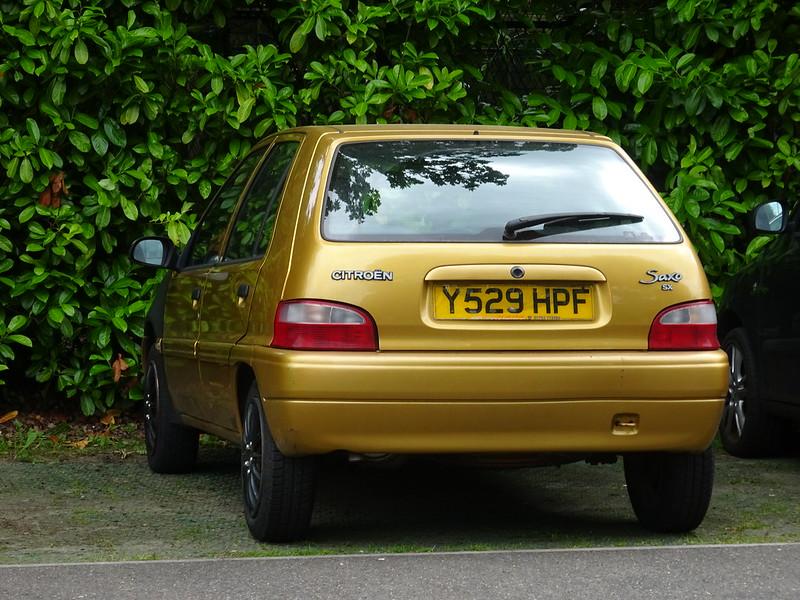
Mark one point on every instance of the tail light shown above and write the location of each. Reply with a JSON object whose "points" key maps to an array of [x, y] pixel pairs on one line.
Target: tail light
{"points": [[321, 325], [691, 326]]}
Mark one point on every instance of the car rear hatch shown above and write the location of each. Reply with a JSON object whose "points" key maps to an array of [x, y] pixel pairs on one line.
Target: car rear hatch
{"points": [[501, 245]]}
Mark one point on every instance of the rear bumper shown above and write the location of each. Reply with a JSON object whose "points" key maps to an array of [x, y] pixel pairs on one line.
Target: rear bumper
{"points": [[449, 402]]}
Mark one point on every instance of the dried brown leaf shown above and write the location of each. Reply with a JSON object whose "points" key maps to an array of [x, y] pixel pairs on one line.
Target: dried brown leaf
{"points": [[118, 366], [45, 198], [8, 416]]}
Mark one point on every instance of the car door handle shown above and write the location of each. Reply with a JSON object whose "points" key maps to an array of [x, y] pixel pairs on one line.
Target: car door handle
{"points": [[242, 292], [195, 297]]}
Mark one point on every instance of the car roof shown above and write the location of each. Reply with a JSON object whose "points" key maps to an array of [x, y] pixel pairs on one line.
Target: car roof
{"points": [[345, 131]]}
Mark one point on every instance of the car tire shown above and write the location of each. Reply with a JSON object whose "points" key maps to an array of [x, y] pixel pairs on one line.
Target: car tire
{"points": [[745, 429], [670, 493], [278, 490], [171, 447]]}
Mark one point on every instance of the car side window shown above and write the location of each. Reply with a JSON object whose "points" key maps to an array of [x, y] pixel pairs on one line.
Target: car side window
{"points": [[252, 230], [209, 236]]}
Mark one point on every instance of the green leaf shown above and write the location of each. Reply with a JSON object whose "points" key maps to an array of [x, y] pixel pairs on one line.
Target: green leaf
{"points": [[717, 240], [644, 82], [624, 75], [320, 28], [97, 369], [130, 115], [99, 143], [103, 217], [87, 406], [140, 84], [739, 114], [81, 52], [204, 188], [129, 208], [114, 133], [244, 110], [756, 244], [86, 120], [27, 214], [22, 340], [692, 208], [693, 102], [58, 90], [599, 68], [26, 170], [23, 35], [650, 152], [599, 108], [55, 314], [16, 323], [297, 41], [684, 60], [47, 157], [33, 129], [80, 140]]}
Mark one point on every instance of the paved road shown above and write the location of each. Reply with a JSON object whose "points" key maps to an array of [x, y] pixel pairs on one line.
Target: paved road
{"points": [[768, 571]]}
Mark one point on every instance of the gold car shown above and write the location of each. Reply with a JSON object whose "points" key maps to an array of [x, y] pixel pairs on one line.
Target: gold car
{"points": [[518, 294]]}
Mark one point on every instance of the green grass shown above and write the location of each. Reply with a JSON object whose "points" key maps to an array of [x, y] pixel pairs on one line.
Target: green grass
{"points": [[64, 441]]}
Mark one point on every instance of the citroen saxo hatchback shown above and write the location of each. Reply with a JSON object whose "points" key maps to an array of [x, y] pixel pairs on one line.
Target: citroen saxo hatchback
{"points": [[518, 293]]}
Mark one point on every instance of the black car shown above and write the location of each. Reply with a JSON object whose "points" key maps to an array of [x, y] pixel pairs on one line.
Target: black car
{"points": [[759, 325]]}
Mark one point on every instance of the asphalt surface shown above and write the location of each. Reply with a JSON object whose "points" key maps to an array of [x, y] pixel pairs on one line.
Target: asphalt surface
{"points": [[752, 572]]}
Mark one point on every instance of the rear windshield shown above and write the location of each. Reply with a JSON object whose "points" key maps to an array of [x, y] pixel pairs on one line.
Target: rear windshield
{"points": [[466, 191]]}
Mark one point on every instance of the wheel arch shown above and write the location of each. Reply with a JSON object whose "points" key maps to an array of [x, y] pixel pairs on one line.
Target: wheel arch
{"points": [[244, 377], [727, 320]]}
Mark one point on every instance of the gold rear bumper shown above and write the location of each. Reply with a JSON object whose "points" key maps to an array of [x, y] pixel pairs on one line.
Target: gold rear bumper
{"points": [[438, 402]]}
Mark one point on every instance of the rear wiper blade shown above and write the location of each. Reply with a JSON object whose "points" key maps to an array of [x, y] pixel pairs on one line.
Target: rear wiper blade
{"points": [[575, 221]]}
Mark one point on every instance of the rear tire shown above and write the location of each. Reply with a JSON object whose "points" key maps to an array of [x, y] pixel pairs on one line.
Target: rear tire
{"points": [[745, 429], [278, 490], [670, 493], [171, 448]]}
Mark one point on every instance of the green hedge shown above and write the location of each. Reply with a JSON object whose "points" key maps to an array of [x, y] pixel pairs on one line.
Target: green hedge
{"points": [[115, 119]]}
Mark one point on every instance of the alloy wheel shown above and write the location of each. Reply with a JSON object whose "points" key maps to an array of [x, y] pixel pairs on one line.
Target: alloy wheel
{"points": [[734, 413], [251, 458], [151, 392]]}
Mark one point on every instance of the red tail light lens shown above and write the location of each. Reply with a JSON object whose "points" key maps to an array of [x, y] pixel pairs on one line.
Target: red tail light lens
{"points": [[321, 325], [691, 326]]}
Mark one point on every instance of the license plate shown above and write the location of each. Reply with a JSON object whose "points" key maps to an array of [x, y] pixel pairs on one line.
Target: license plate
{"points": [[522, 301]]}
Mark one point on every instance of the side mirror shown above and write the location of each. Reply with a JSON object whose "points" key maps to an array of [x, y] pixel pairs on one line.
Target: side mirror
{"points": [[154, 252], [769, 217]]}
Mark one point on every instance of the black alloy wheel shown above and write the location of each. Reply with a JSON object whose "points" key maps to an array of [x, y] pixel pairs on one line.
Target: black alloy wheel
{"points": [[745, 429], [251, 459], [171, 447], [278, 490]]}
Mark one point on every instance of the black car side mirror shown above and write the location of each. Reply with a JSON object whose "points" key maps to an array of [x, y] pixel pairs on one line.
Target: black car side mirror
{"points": [[154, 252], [769, 217]]}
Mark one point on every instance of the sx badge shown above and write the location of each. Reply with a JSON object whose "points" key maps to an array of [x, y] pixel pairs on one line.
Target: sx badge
{"points": [[665, 279]]}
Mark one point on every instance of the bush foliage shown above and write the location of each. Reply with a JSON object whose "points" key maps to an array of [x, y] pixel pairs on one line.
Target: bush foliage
{"points": [[116, 117]]}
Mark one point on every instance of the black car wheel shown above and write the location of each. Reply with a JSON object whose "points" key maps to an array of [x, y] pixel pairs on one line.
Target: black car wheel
{"points": [[171, 448], [670, 493], [746, 430], [278, 490]]}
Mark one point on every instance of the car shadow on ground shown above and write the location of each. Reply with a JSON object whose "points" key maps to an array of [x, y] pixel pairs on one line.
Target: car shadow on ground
{"points": [[424, 504]]}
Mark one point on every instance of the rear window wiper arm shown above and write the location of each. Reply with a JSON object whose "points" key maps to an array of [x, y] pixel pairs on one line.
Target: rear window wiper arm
{"points": [[576, 221]]}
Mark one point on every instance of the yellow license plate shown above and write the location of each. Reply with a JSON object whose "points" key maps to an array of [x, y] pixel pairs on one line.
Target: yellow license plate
{"points": [[521, 301]]}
